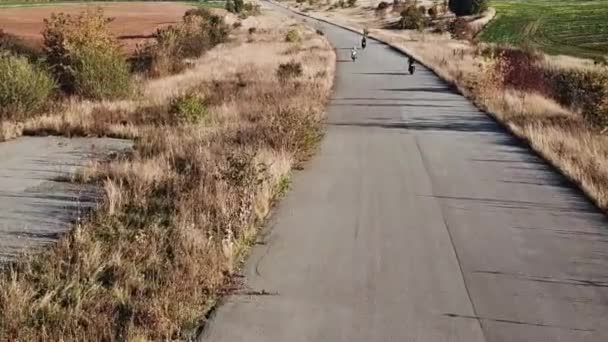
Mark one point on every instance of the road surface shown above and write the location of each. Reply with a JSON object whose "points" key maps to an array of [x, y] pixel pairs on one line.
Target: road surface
{"points": [[34, 207], [420, 219]]}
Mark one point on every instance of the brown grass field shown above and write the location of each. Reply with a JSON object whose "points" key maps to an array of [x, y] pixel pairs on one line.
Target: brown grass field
{"points": [[133, 21]]}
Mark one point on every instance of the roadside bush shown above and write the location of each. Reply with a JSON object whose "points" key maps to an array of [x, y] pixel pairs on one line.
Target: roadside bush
{"points": [[382, 6], [252, 30], [441, 26], [25, 88], [433, 12], [341, 3], [164, 57], [242, 8], [17, 46], [100, 75], [200, 31], [82, 53], [479, 6], [229, 6], [189, 108], [352, 3], [467, 7], [293, 36], [460, 29], [412, 19], [251, 9], [520, 69], [585, 89], [289, 70], [238, 6]]}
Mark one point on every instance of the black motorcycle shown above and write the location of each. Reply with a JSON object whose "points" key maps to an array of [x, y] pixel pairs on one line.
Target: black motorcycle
{"points": [[363, 43], [412, 67]]}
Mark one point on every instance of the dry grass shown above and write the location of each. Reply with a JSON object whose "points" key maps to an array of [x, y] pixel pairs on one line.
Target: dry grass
{"points": [[182, 210], [577, 148]]}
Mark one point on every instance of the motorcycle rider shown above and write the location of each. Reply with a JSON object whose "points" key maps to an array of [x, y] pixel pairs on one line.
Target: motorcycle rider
{"points": [[411, 66], [353, 53]]}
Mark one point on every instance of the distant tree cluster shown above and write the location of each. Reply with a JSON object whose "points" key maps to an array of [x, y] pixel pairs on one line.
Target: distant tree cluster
{"points": [[468, 7]]}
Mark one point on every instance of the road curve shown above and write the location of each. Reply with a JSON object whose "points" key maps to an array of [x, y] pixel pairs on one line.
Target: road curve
{"points": [[421, 219]]}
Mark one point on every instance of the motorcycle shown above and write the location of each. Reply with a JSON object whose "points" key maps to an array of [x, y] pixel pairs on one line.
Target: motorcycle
{"points": [[363, 43], [353, 56], [412, 69]]}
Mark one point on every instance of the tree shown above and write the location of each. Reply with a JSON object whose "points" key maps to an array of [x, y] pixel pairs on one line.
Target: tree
{"points": [[433, 12], [412, 19], [467, 7], [479, 6], [461, 7]]}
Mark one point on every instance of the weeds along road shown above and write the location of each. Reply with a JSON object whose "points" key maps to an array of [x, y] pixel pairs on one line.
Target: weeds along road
{"points": [[420, 219]]}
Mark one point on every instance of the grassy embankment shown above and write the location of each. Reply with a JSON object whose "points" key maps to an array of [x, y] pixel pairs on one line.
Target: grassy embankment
{"points": [[570, 27], [557, 104], [215, 144]]}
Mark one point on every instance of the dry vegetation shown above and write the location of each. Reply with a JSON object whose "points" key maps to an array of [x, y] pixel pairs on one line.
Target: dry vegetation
{"points": [[558, 104], [214, 148]]}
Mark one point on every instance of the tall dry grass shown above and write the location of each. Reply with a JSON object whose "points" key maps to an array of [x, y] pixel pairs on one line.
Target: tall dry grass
{"points": [[181, 210]]}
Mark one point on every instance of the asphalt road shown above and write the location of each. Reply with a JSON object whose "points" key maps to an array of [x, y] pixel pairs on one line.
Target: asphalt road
{"points": [[35, 208], [421, 219]]}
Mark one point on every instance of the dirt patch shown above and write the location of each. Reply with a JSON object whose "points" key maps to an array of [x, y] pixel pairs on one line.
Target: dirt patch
{"points": [[134, 22]]}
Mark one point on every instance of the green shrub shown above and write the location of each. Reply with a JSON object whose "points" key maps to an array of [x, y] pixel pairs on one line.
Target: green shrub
{"points": [[289, 70], [352, 3], [382, 6], [25, 88], [17, 46], [242, 8], [251, 9], [238, 6], [460, 29], [412, 19], [230, 6], [200, 31], [479, 6], [586, 90], [101, 74], [293, 36], [189, 108], [82, 53], [467, 7], [433, 12]]}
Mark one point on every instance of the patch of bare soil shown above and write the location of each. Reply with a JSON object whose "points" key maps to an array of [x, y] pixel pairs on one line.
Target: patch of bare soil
{"points": [[134, 22]]}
